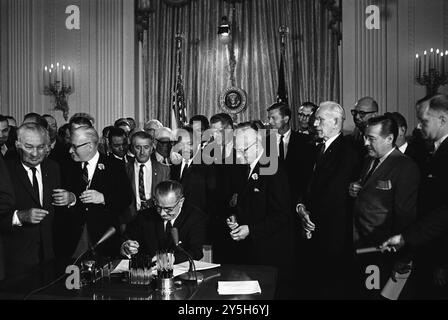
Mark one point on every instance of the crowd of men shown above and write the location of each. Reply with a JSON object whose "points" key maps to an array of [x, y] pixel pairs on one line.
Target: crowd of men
{"points": [[261, 194]]}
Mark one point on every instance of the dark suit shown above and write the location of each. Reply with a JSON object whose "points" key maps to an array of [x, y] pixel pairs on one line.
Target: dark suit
{"points": [[60, 154], [329, 204], [28, 245], [7, 201], [148, 230], [160, 173], [112, 182], [198, 182], [264, 205], [385, 206]]}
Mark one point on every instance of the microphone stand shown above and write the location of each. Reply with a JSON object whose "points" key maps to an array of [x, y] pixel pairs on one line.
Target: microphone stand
{"points": [[192, 274]]}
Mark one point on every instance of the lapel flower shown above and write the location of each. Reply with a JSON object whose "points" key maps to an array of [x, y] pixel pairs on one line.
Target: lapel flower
{"points": [[254, 176], [101, 166]]}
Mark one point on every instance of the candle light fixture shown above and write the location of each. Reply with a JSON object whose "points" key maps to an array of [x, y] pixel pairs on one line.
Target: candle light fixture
{"points": [[433, 71], [59, 82]]}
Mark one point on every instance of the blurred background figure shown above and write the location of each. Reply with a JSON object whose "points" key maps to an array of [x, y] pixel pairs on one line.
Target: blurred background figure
{"points": [[304, 112]]}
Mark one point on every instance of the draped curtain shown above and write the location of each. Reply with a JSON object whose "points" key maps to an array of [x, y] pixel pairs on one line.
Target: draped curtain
{"points": [[312, 72]]}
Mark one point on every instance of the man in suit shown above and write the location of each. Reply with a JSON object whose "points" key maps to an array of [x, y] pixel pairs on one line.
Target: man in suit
{"points": [[304, 113], [118, 143], [4, 134], [151, 230], [144, 175], [7, 201], [427, 237], [263, 226], [97, 191], [385, 196], [325, 207], [365, 109], [292, 147], [28, 229], [58, 152], [197, 179]]}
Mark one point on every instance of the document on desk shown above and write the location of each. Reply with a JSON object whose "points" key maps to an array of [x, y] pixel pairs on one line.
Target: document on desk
{"points": [[123, 266], [238, 287]]}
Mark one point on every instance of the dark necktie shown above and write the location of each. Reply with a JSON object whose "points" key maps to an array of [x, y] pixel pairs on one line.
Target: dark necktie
{"points": [[376, 162], [168, 236], [141, 189], [320, 151], [35, 184], [85, 175], [281, 147]]}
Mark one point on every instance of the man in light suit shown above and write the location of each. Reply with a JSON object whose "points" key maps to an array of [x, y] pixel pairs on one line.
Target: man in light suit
{"points": [[385, 196], [144, 175], [28, 229]]}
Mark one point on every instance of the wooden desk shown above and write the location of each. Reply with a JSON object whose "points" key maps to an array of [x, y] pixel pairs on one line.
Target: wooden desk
{"points": [[117, 288]]}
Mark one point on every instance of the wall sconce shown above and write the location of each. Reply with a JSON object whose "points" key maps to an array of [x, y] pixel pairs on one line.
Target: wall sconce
{"points": [[59, 82], [224, 30]]}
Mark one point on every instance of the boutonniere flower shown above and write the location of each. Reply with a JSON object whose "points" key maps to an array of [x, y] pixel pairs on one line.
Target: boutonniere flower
{"points": [[256, 190], [101, 166], [254, 176]]}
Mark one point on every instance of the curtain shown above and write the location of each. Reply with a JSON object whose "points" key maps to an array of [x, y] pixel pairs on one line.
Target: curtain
{"points": [[312, 72]]}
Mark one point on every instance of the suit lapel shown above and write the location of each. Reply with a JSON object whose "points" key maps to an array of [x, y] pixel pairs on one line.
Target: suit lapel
{"points": [[23, 177], [130, 170], [384, 166], [46, 185], [155, 176], [97, 179]]}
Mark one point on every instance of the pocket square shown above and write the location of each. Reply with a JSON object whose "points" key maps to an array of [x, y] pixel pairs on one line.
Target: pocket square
{"points": [[384, 185]]}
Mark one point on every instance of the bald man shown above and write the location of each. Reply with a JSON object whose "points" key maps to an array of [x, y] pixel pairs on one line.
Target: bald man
{"points": [[365, 109], [325, 209], [96, 191]]}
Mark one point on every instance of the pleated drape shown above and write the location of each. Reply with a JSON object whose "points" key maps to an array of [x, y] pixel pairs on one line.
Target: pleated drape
{"points": [[311, 55]]}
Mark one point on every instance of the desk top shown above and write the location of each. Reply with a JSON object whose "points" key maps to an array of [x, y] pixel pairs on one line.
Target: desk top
{"points": [[118, 288]]}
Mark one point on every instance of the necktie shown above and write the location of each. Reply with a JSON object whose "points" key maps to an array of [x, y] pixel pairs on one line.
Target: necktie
{"points": [[376, 162], [320, 151], [85, 175], [168, 236], [35, 184], [281, 147], [141, 189]]}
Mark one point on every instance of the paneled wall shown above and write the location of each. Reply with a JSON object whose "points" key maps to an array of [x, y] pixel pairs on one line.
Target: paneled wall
{"points": [[380, 63], [102, 53]]}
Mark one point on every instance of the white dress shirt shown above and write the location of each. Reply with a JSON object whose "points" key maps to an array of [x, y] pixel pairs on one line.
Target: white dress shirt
{"points": [[92, 166], [330, 141], [147, 181], [15, 218], [439, 142], [186, 163], [3, 149], [286, 138], [253, 164], [403, 147]]}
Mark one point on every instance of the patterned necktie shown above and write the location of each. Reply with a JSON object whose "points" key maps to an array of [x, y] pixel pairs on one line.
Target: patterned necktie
{"points": [[281, 147], [141, 188], [35, 184], [376, 162], [85, 175]]}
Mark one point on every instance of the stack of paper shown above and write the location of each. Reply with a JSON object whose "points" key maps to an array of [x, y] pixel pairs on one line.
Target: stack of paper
{"points": [[238, 287]]}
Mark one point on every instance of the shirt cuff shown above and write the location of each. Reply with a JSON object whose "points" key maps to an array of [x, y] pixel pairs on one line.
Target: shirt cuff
{"points": [[15, 220], [73, 203]]}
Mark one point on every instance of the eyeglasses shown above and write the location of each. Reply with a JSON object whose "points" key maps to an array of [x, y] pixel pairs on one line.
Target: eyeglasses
{"points": [[242, 150], [167, 209], [362, 114], [304, 115], [76, 147]]}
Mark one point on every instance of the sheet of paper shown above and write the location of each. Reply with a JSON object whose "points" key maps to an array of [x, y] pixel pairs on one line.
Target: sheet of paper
{"points": [[238, 287], [123, 266]]}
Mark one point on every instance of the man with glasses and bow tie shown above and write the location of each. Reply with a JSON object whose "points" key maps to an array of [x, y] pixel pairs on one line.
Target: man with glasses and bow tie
{"points": [[27, 230], [96, 193], [151, 230], [144, 175]]}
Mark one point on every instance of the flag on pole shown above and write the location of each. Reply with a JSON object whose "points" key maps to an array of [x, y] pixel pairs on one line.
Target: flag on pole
{"points": [[179, 107], [282, 91]]}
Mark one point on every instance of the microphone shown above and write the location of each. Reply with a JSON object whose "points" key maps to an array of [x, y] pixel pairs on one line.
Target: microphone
{"points": [[191, 275], [108, 234]]}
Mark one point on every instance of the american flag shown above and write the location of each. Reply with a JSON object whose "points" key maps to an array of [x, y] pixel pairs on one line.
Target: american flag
{"points": [[179, 107]]}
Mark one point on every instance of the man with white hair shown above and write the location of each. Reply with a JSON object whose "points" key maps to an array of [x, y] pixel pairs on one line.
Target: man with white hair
{"points": [[263, 227], [324, 207], [97, 191], [28, 229]]}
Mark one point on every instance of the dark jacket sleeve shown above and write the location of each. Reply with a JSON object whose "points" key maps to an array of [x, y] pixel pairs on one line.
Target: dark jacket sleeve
{"points": [[120, 195], [7, 198]]}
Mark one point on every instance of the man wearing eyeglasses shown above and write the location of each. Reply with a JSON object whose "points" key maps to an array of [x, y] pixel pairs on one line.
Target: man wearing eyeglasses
{"points": [[151, 230], [365, 109], [97, 191], [305, 111], [28, 229], [118, 143]]}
